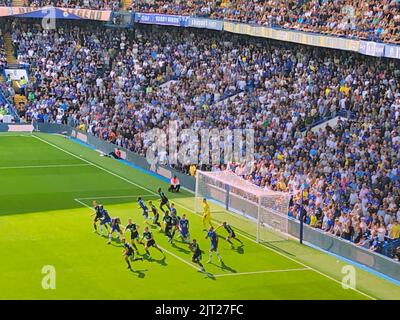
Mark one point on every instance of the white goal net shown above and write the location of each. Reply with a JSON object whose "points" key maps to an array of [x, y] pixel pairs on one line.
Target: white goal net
{"points": [[231, 197]]}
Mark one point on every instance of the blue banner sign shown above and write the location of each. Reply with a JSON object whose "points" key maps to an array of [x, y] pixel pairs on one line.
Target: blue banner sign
{"points": [[392, 51], [162, 19], [371, 48], [206, 23]]}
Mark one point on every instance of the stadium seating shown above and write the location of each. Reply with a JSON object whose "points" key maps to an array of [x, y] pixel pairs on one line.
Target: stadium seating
{"points": [[109, 83], [78, 4], [371, 20], [374, 20]]}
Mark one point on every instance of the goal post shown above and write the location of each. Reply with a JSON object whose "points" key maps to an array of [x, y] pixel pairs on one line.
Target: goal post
{"points": [[261, 213]]}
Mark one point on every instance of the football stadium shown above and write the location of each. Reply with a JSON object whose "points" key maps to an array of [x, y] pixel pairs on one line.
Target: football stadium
{"points": [[199, 150]]}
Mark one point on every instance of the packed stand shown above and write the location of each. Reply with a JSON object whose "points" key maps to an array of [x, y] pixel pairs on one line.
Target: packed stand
{"points": [[77, 4], [5, 3], [118, 86], [5, 87], [374, 20], [3, 58]]}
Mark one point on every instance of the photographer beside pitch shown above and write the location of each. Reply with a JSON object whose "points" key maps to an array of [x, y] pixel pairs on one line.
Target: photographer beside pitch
{"points": [[175, 184]]}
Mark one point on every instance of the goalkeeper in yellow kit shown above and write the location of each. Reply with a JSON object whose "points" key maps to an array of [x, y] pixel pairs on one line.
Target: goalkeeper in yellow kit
{"points": [[206, 214]]}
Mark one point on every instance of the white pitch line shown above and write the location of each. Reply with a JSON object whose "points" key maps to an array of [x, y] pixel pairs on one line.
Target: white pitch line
{"points": [[47, 166], [167, 251], [84, 204], [14, 135], [182, 206], [259, 272], [179, 258], [117, 197], [96, 165], [183, 260]]}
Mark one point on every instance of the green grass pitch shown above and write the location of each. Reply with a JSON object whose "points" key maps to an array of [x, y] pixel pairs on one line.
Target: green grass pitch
{"points": [[47, 185]]}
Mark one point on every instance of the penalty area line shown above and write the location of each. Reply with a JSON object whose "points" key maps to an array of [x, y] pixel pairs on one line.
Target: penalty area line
{"points": [[179, 258], [191, 210], [119, 197], [2, 135], [167, 251], [47, 166], [84, 204], [260, 272]]}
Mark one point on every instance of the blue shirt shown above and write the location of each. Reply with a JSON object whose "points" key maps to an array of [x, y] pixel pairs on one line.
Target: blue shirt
{"points": [[106, 216], [142, 204], [213, 236], [184, 224]]}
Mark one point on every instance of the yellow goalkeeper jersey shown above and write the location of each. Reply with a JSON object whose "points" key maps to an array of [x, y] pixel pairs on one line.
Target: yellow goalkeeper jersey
{"points": [[206, 209]]}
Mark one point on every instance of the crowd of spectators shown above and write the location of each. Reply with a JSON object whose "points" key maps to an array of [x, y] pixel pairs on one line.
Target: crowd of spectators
{"points": [[4, 86], [5, 3], [376, 20], [119, 85], [3, 58], [78, 4]]}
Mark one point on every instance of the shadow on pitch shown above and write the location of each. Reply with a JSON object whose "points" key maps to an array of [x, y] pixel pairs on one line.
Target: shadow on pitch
{"points": [[117, 244], [180, 249], [209, 275], [161, 261], [224, 267], [270, 245], [239, 249], [140, 273]]}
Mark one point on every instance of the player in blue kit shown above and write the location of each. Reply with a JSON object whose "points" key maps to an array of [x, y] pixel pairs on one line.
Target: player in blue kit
{"points": [[214, 244], [231, 233], [172, 209], [115, 227], [129, 254], [105, 219], [184, 229], [145, 209]]}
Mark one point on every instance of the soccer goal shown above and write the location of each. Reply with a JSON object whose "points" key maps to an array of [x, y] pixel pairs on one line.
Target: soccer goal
{"points": [[261, 213]]}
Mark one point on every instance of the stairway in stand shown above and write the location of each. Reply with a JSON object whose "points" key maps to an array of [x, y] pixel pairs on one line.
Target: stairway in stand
{"points": [[18, 3], [126, 4], [19, 101], [9, 49]]}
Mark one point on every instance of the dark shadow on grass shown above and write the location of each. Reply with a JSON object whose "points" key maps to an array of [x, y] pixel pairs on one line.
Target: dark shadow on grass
{"points": [[227, 268], [161, 261], [117, 245], [105, 236], [209, 275], [42, 201], [240, 249], [180, 240], [152, 226], [140, 273], [270, 245], [224, 267], [180, 249]]}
